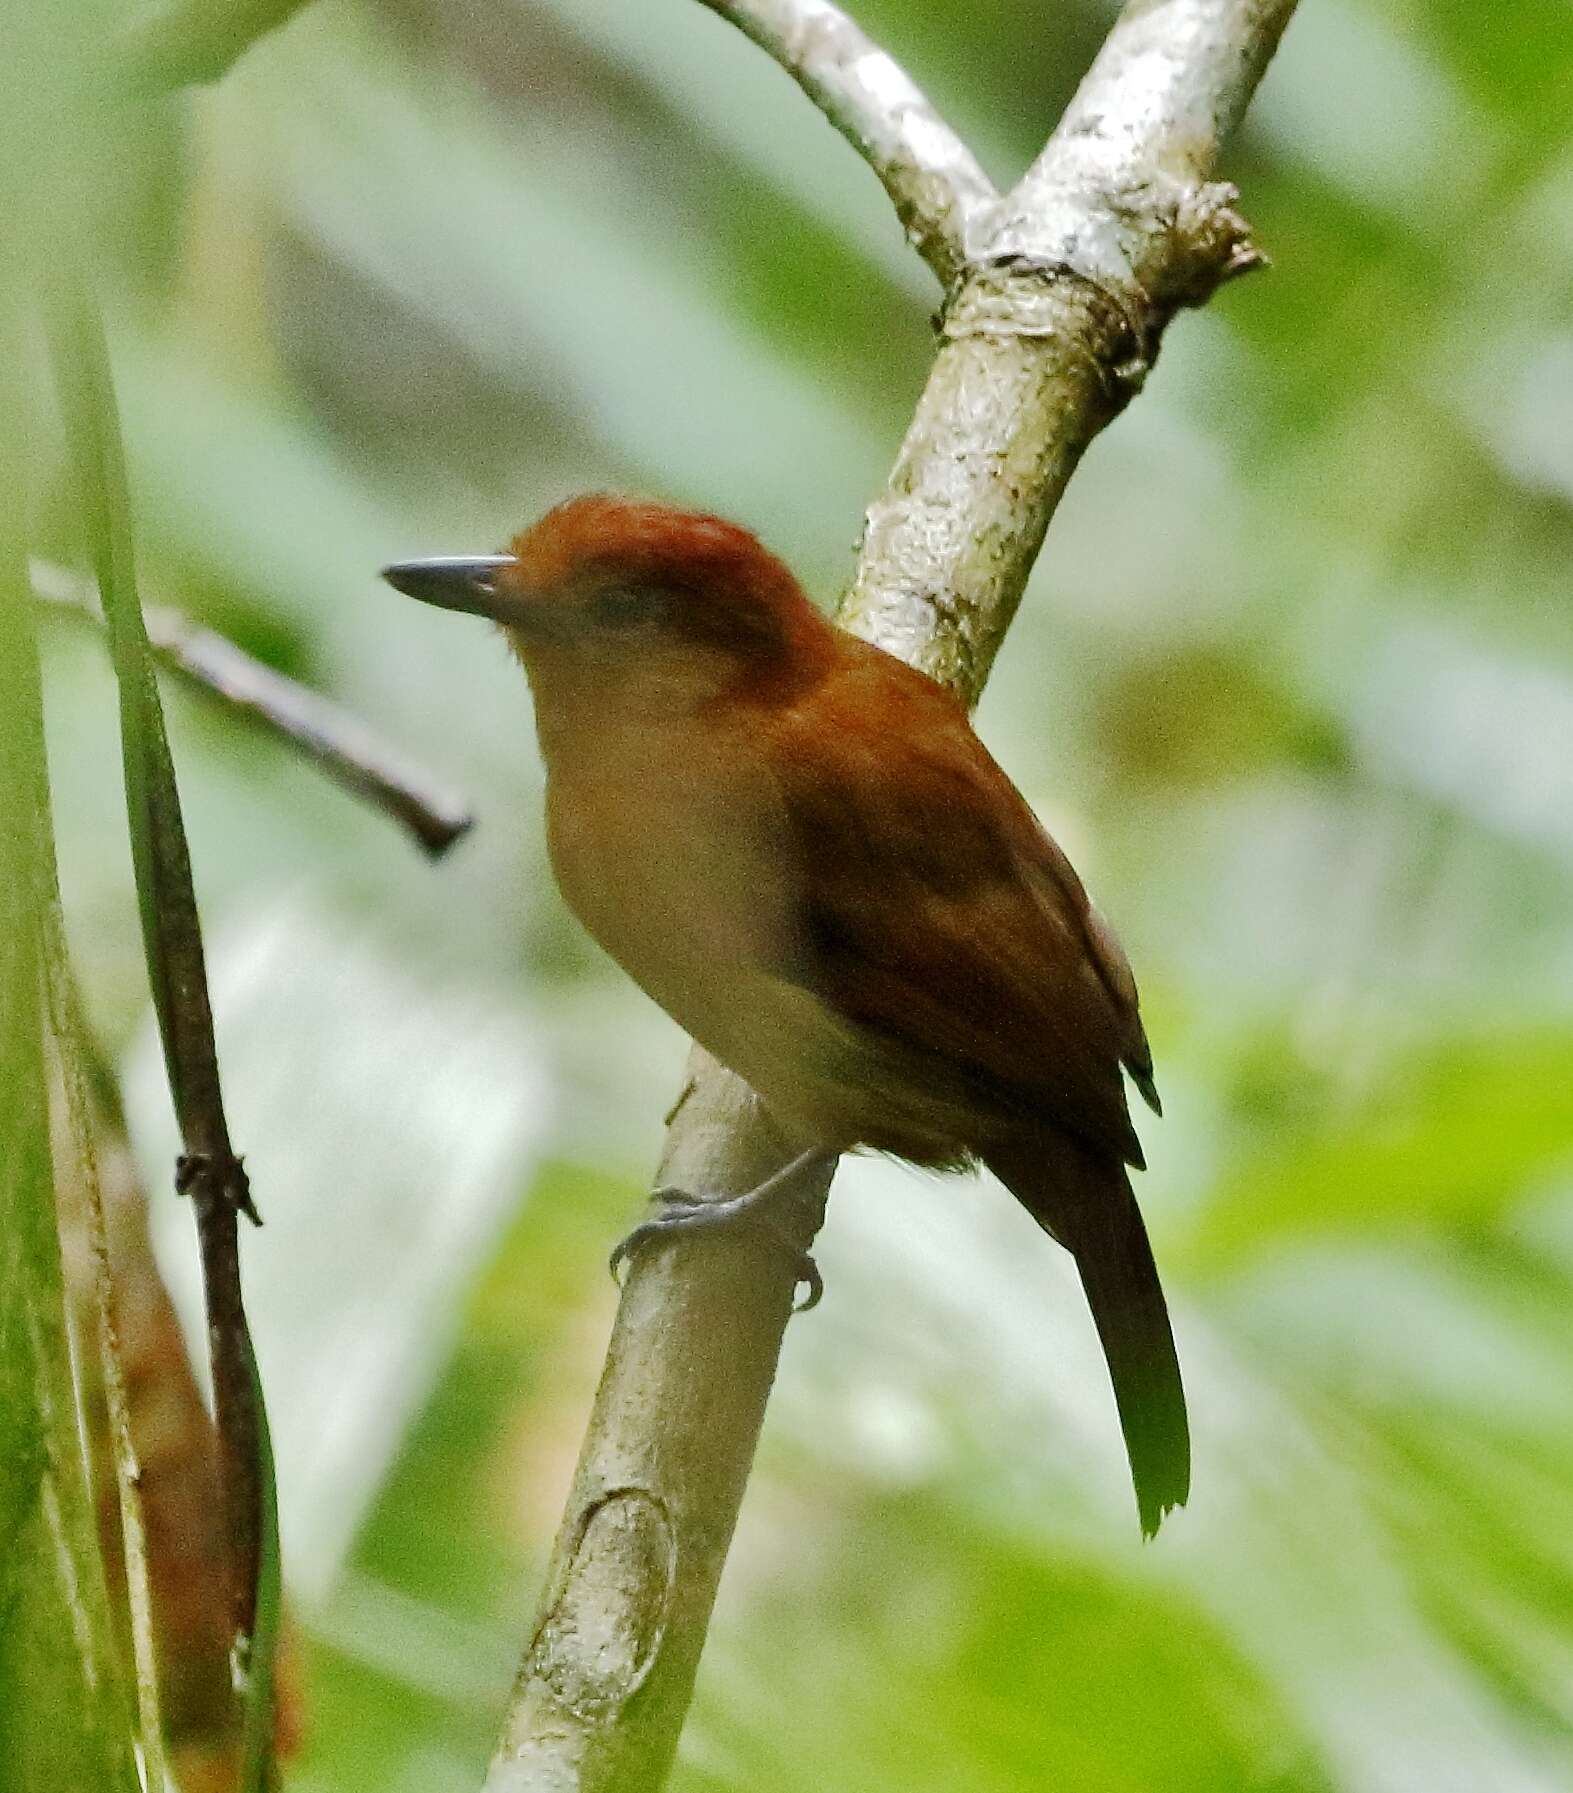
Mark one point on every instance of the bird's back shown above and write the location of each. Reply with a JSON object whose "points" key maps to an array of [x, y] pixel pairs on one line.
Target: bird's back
{"points": [[942, 920]]}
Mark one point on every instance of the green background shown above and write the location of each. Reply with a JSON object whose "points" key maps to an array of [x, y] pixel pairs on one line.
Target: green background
{"points": [[1293, 684]]}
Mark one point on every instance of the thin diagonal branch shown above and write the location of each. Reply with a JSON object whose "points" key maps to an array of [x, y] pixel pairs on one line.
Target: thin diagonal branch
{"points": [[933, 179], [347, 751], [1052, 319]]}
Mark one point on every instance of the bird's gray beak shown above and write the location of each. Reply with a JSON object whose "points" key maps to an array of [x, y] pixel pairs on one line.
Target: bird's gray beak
{"points": [[453, 582]]}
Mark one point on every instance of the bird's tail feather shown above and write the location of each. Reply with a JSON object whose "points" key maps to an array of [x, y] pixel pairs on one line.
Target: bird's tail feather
{"points": [[1086, 1202]]}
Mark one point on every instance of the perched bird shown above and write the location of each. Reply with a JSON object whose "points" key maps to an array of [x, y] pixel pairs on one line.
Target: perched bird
{"points": [[799, 848]]}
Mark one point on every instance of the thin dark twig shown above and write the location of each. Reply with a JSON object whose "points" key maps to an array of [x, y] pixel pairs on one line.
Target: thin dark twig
{"points": [[350, 753], [209, 1170]]}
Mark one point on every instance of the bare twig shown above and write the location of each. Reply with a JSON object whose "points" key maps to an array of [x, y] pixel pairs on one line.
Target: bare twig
{"points": [[347, 751], [933, 179], [1053, 319]]}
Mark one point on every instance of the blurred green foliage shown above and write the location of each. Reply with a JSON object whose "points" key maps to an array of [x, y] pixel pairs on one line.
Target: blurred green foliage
{"points": [[1294, 684], [62, 1700], [56, 1647]]}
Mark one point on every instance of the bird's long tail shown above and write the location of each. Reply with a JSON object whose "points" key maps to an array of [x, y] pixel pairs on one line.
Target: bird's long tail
{"points": [[1085, 1201]]}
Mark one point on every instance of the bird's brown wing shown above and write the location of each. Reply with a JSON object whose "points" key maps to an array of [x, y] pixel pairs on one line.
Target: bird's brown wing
{"points": [[939, 917]]}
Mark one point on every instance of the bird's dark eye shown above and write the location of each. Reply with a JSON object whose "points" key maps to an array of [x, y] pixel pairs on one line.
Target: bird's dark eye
{"points": [[624, 604]]}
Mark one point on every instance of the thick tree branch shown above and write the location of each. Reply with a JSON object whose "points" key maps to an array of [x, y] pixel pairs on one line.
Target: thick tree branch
{"points": [[933, 179], [1053, 320]]}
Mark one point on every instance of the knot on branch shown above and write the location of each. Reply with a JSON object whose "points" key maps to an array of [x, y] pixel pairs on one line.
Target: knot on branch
{"points": [[1022, 296], [601, 1635], [1104, 269], [216, 1179], [1207, 243]]}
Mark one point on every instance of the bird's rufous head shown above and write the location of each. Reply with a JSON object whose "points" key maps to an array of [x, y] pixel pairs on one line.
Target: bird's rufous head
{"points": [[625, 588]]}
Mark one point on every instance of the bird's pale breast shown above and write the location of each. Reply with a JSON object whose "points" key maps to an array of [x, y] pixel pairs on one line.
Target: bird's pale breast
{"points": [[678, 864]]}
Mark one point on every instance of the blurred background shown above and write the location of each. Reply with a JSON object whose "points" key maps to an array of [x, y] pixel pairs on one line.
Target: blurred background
{"points": [[1293, 684]]}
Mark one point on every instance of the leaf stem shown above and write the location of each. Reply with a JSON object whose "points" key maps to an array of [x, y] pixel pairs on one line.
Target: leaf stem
{"points": [[172, 943]]}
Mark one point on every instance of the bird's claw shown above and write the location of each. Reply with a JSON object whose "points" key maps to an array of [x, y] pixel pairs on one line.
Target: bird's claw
{"points": [[682, 1212]]}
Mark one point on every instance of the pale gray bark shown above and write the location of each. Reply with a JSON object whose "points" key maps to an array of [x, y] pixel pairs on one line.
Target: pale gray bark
{"points": [[933, 179], [1057, 301]]}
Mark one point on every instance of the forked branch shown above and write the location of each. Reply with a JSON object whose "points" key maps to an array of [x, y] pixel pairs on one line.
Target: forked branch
{"points": [[1057, 297]]}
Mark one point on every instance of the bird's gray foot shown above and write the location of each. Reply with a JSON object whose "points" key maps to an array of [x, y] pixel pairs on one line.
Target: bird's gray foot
{"points": [[756, 1208]]}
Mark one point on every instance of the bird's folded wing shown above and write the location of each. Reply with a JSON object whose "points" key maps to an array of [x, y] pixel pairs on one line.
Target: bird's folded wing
{"points": [[936, 913]]}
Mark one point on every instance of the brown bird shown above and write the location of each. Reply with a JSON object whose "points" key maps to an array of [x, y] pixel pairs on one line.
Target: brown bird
{"points": [[798, 847]]}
